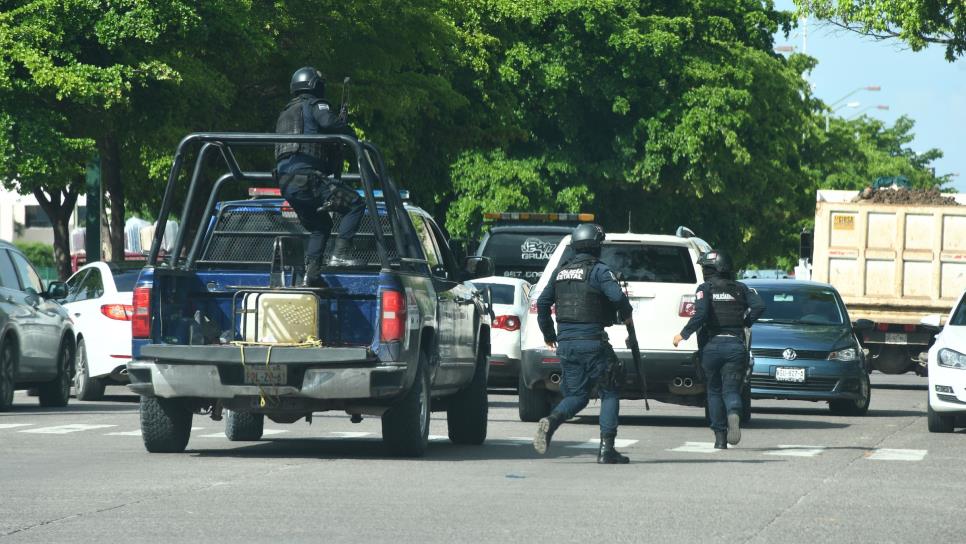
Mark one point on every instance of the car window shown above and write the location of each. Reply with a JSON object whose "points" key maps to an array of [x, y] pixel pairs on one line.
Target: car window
{"points": [[502, 293], [801, 306], [92, 287], [652, 263], [125, 281], [73, 283], [426, 240], [28, 276], [446, 257], [521, 255], [8, 275], [959, 316]]}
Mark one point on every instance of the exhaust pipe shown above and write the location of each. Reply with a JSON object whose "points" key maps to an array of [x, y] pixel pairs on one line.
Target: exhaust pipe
{"points": [[688, 382], [555, 379], [678, 382]]}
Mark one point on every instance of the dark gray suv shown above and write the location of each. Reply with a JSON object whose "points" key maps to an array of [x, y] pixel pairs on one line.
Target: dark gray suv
{"points": [[36, 339]]}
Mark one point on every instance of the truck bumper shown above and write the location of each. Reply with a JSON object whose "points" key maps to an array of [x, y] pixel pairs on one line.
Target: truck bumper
{"points": [[217, 372]]}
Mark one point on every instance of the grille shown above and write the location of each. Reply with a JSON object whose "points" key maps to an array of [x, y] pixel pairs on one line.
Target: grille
{"points": [[800, 354], [245, 234], [811, 384]]}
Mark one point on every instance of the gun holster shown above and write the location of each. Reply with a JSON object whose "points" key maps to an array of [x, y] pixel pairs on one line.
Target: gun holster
{"points": [[341, 199], [615, 373]]}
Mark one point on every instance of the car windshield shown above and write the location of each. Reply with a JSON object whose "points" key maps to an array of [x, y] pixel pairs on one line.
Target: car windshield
{"points": [[646, 262], [521, 254], [502, 293], [124, 281], [959, 316], [800, 306]]}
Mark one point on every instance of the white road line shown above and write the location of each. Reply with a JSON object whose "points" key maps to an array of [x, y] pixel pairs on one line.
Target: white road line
{"points": [[64, 429], [888, 454], [791, 450], [270, 432], [594, 443], [14, 425], [511, 441], [696, 447], [437, 438], [138, 432], [349, 434]]}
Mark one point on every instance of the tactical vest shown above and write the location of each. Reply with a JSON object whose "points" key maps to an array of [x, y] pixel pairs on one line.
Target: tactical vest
{"points": [[297, 118], [577, 301], [728, 307]]}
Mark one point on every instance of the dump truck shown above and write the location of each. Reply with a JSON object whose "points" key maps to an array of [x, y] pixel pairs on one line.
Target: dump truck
{"points": [[894, 260]]}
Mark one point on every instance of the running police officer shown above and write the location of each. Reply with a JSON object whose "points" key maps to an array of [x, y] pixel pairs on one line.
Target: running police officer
{"points": [[723, 309], [309, 175], [586, 293]]}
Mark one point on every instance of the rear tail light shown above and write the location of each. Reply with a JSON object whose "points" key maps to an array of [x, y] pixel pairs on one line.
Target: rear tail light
{"points": [[141, 318], [393, 316], [882, 327], [909, 328], [120, 312], [506, 322], [687, 306]]}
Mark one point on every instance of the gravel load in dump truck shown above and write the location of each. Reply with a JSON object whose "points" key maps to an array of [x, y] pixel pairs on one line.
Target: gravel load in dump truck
{"points": [[924, 197]]}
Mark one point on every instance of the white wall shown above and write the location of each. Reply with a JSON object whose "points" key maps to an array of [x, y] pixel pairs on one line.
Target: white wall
{"points": [[12, 212]]}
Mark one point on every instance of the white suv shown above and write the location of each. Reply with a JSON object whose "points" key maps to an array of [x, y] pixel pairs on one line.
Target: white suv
{"points": [[662, 277], [947, 371]]}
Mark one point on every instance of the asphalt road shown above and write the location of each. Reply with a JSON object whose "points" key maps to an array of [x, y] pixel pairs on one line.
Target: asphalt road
{"points": [[81, 474]]}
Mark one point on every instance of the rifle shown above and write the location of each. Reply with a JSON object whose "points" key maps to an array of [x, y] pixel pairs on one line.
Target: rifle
{"points": [[635, 350], [344, 108]]}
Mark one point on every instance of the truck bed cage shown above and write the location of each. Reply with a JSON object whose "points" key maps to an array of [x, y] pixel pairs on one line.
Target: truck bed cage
{"points": [[371, 172]]}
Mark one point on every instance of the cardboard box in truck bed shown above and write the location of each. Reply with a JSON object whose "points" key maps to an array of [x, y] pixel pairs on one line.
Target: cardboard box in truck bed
{"points": [[892, 264]]}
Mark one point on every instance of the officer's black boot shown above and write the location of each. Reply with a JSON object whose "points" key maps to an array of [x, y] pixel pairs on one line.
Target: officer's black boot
{"points": [[340, 253], [721, 440], [607, 454], [734, 428], [545, 430], [313, 274]]}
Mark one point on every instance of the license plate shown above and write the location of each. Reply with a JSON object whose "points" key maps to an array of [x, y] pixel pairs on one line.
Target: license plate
{"points": [[896, 338], [786, 374], [266, 375]]}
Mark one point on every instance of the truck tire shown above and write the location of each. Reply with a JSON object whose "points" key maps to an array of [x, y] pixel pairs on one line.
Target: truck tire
{"points": [[8, 361], [405, 426], [533, 404], [56, 393], [892, 360], [244, 426], [85, 387], [467, 414], [854, 407], [165, 424], [938, 422]]}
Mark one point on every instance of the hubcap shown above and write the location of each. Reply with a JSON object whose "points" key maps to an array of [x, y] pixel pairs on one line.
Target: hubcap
{"points": [[423, 409], [80, 378]]}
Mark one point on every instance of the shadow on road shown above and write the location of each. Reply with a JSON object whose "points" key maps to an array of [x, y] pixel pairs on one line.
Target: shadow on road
{"points": [[699, 422], [902, 386], [72, 408]]}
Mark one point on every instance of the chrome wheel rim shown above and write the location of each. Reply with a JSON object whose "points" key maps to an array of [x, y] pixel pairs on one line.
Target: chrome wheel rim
{"points": [[424, 410], [80, 377]]}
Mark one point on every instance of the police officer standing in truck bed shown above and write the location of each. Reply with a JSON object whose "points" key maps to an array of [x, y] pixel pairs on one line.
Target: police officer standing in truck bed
{"points": [[723, 308], [586, 292]]}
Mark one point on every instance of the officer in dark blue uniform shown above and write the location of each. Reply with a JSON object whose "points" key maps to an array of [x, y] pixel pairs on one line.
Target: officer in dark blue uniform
{"points": [[723, 309], [309, 175], [586, 294]]}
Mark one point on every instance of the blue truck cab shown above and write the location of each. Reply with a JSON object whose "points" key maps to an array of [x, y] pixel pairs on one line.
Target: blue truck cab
{"points": [[220, 327]]}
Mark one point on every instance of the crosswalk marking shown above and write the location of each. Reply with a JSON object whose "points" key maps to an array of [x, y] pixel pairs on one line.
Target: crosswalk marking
{"points": [[889, 454], [14, 425], [594, 443], [790, 450], [696, 447], [64, 429]]}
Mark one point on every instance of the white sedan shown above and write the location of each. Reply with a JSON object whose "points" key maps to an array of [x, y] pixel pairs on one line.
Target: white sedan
{"points": [[100, 304], [947, 370], [511, 298]]}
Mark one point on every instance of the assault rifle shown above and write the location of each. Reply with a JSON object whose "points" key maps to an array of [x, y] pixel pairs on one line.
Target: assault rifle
{"points": [[635, 349], [344, 108]]}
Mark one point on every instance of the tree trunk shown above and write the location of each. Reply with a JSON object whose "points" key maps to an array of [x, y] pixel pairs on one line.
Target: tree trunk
{"points": [[59, 206], [111, 179]]}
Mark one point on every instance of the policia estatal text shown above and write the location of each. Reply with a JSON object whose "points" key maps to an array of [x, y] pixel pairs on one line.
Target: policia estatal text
{"points": [[586, 294], [309, 175], [723, 308]]}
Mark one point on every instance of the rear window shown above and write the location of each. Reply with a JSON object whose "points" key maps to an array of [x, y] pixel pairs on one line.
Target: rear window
{"points": [[800, 307], [125, 281], [502, 293], [649, 263], [521, 255]]}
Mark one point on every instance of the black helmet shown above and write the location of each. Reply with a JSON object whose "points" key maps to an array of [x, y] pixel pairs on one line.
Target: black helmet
{"points": [[587, 237], [308, 80], [717, 261]]}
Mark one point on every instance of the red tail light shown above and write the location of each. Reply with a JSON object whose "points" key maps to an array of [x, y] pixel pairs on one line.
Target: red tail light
{"points": [[393, 316], [909, 328], [882, 327], [141, 316], [120, 312], [506, 322], [687, 306]]}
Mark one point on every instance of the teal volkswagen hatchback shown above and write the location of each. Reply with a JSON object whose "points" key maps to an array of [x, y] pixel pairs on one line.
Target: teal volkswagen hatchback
{"points": [[805, 348]]}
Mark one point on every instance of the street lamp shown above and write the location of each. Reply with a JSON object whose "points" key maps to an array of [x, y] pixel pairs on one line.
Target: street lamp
{"points": [[883, 107], [830, 111], [873, 88]]}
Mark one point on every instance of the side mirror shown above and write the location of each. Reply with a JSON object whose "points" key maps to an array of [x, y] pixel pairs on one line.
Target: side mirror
{"points": [[478, 267], [932, 322], [864, 325], [56, 290]]}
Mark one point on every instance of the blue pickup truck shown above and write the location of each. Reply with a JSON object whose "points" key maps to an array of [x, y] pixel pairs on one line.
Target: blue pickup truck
{"points": [[220, 329]]}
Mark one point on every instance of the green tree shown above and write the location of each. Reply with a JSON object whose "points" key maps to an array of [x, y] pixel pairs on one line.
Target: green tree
{"points": [[917, 22]]}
